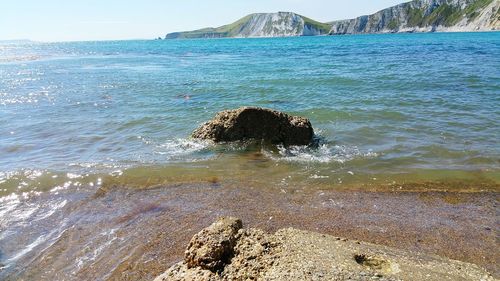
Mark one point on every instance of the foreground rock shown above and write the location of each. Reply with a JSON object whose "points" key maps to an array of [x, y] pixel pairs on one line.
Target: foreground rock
{"points": [[225, 251], [213, 247], [257, 123]]}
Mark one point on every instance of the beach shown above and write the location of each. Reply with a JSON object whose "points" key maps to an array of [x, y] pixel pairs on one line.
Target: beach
{"points": [[100, 178], [138, 234]]}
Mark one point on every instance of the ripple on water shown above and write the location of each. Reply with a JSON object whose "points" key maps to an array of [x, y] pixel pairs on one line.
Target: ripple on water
{"points": [[323, 153], [18, 212], [184, 149], [98, 110]]}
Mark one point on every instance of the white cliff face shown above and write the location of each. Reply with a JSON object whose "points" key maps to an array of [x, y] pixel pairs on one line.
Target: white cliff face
{"points": [[425, 16], [311, 31], [277, 25], [488, 19], [273, 25], [414, 16]]}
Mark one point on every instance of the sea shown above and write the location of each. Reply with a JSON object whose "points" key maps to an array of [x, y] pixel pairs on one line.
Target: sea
{"points": [[390, 112]]}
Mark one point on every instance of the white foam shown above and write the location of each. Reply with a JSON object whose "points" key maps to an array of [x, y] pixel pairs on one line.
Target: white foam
{"points": [[324, 153], [178, 149], [315, 176], [31, 246], [52, 208], [7, 206], [73, 176], [107, 238]]}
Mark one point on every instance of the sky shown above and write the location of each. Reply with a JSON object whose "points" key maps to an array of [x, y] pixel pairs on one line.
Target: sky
{"points": [[78, 20]]}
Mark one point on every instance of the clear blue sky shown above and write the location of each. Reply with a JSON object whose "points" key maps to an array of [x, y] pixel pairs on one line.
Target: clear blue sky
{"points": [[67, 20]]}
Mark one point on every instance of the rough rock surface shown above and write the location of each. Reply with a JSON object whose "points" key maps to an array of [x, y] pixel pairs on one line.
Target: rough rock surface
{"points": [[292, 254], [257, 123], [413, 16], [426, 16], [261, 25], [213, 247]]}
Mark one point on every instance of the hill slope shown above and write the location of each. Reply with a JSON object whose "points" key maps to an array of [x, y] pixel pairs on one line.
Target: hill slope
{"points": [[414, 16], [261, 25], [426, 16]]}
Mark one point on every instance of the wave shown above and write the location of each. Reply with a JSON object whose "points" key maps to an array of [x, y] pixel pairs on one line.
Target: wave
{"points": [[184, 149], [320, 151], [19, 58]]}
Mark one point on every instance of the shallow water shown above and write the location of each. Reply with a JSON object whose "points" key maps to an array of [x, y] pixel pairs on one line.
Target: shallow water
{"points": [[130, 234], [380, 103], [391, 112]]}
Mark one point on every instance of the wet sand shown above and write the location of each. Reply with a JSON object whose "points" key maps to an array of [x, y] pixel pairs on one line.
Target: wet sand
{"points": [[126, 234]]}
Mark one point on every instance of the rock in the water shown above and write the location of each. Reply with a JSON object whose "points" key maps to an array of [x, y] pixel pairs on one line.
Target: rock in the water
{"points": [[257, 123], [213, 247], [292, 254]]}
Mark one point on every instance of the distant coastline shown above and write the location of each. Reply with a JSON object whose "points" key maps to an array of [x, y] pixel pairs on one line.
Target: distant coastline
{"points": [[15, 41], [411, 17]]}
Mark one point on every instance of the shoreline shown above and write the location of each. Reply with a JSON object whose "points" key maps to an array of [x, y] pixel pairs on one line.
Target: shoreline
{"points": [[143, 232], [291, 254], [100, 179], [252, 168]]}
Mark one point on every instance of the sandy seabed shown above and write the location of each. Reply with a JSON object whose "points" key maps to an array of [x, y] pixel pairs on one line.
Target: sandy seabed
{"points": [[127, 234]]}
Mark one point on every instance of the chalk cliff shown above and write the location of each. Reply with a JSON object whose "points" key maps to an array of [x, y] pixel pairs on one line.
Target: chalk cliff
{"points": [[414, 16], [261, 25], [426, 16]]}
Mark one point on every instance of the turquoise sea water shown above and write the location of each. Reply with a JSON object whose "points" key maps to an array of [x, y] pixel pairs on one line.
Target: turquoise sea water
{"points": [[380, 103], [388, 109]]}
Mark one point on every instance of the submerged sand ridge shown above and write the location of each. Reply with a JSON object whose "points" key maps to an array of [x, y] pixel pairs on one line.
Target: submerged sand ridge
{"points": [[226, 251]]}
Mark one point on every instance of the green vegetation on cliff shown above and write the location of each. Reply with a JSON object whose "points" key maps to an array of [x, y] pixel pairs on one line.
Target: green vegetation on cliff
{"points": [[425, 16], [445, 14], [472, 11], [255, 25], [413, 16], [324, 27], [229, 30]]}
